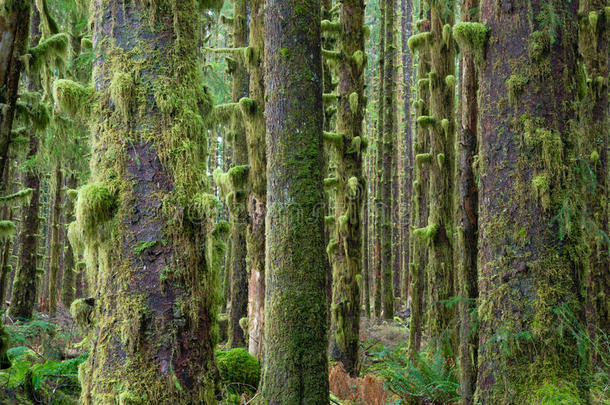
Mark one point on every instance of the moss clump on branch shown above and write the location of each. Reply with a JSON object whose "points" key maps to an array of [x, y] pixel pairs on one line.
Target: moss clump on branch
{"points": [[331, 27], [426, 233], [95, 205], [423, 158], [81, 310], [52, 51], [418, 41], [335, 139], [7, 229], [73, 98], [18, 198], [471, 37], [426, 121]]}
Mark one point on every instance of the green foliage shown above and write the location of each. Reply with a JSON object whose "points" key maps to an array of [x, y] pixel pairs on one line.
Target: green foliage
{"points": [[239, 370], [143, 245], [430, 378]]}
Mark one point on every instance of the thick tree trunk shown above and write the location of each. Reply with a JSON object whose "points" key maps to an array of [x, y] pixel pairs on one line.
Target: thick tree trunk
{"points": [[146, 217], [295, 368], [529, 275], [55, 242], [257, 199], [14, 32], [345, 244], [467, 217]]}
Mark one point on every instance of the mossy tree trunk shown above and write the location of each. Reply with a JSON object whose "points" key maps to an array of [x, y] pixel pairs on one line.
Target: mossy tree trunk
{"points": [[55, 242], [467, 216], [441, 124], [418, 246], [69, 268], [295, 367], [238, 175], [14, 32], [25, 281], [253, 110], [147, 218], [407, 147], [594, 42], [379, 212], [345, 246], [529, 275], [389, 95]]}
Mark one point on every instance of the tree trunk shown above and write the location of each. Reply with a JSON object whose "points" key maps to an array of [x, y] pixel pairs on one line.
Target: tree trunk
{"points": [[257, 199], [389, 93], [345, 247], [379, 211], [530, 217], [407, 142], [69, 268], [419, 198], [146, 217], [14, 32], [594, 24], [55, 242], [295, 369], [237, 199], [25, 282], [467, 217]]}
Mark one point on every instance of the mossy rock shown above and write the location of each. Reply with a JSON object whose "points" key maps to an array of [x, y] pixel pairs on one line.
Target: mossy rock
{"points": [[239, 370]]}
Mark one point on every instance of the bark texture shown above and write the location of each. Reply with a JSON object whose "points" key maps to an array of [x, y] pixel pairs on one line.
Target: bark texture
{"points": [[295, 369]]}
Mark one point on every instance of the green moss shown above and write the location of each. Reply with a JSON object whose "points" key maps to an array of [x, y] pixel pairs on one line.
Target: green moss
{"points": [[19, 198], [426, 121], [541, 185], [418, 41], [353, 102], [329, 98], [334, 139], [82, 310], [86, 44], [331, 27], [593, 17], [122, 92], [130, 398], [516, 85], [471, 36], [248, 106], [423, 158], [426, 233], [73, 98], [440, 159], [359, 59], [447, 35], [239, 370], [95, 205], [450, 81], [52, 51], [7, 229]]}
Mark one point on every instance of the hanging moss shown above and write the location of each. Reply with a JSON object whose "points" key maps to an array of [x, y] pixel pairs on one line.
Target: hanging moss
{"points": [[7, 229], [52, 51], [516, 85], [19, 198], [122, 92], [73, 98], [331, 27], [82, 311], [418, 41], [426, 121], [471, 36], [95, 205]]}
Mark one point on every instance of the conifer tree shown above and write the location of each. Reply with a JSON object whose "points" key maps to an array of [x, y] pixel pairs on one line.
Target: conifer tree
{"points": [[295, 368], [348, 144], [146, 218], [530, 220]]}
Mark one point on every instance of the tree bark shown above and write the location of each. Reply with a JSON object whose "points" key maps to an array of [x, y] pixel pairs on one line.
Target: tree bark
{"points": [[528, 277], [147, 217], [295, 369], [55, 242], [345, 247], [69, 268]]}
